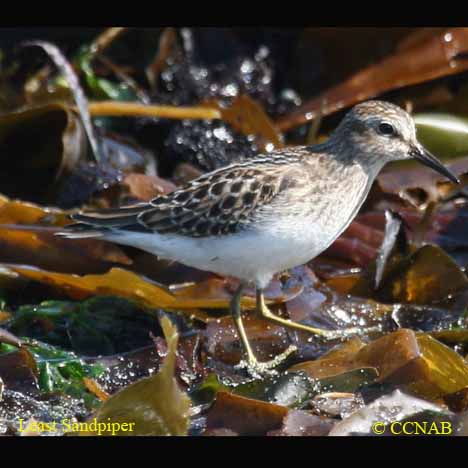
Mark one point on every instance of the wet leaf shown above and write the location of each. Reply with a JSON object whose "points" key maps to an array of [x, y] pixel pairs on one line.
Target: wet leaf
{"points": [[288, 389], [303, 424], [16, 405], [266, 339], [431, 319], [18, 369], [118, 282], [389, 408], [210, 294], [244, 415], [248, 117], [349, 382], [96, 389], [48, 139], [96, 326], [38, 245], [428, 367], [206, 391], [61, 372], [457, 401], [428, 275], [339, 360], [454, 336], [443, 370], [155, 404], [20, 212], [337, 403], [124, 369]]}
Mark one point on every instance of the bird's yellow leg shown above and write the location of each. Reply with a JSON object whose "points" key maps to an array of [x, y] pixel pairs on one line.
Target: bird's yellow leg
{"points": [[327, 334], [236, 316], [253, 366]]}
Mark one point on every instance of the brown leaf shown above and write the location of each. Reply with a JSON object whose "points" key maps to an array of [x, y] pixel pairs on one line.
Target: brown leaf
{"points": [[428, 275], [248, 117], [106, 38], [18, 370], [244, 415], [425, 365], [266, 339], [135, 109], [39, 246], [210, 294], [145, 187], [337, 361], [96, 389], [427, 59], [47, 139], [158, 63], [185, 172], [457, 401], [20, 212]]}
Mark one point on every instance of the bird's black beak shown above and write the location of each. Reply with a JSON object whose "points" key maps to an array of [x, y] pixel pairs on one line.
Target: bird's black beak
{"points": [[423, 156]]}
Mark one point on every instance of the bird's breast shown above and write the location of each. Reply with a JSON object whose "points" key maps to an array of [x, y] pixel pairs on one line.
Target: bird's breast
{"points": [[304, 224]]}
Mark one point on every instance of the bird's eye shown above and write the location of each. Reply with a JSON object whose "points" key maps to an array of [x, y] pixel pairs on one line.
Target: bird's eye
{"points": [[386, 129]]}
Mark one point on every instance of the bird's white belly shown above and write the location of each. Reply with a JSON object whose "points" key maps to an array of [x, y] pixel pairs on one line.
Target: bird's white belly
{"points": [[251, 255]]}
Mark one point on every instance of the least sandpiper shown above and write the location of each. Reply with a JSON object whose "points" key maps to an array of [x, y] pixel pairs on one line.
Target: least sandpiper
{"points": [[264, 215]]}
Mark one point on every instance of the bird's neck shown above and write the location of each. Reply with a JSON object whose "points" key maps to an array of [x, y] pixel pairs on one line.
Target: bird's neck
{"points": [[343, 155]]}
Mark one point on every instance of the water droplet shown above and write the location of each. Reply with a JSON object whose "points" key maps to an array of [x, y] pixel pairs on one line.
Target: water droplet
{"points": [[231, 90], [247, 66]]}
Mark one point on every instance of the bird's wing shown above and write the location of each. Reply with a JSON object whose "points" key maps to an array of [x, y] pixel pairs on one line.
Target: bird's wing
{"points": [[217, 203]]}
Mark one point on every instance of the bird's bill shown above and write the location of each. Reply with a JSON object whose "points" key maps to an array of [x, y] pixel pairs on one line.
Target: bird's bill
{"points": [[423, 156]]}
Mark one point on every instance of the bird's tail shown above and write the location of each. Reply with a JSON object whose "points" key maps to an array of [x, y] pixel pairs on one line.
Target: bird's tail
{"points": [[98, 224], [81, 231]]}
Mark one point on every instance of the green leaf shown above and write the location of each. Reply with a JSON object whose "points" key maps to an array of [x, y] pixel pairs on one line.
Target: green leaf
{"points": [[207, 390], [100, 87], [350, 381], [289, 389], [97, 326], [443, 134], [63, 372]]}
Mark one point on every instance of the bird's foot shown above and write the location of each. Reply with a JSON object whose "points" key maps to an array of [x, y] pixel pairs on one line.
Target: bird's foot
{"points": [[258, 369], [344, 333], [320, 332]]}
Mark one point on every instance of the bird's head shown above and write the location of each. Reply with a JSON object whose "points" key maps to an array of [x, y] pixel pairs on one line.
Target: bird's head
{"points": [[380, 132]]}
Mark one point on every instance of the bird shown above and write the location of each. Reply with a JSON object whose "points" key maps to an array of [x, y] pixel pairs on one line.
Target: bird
{"points": [[266, 214]]}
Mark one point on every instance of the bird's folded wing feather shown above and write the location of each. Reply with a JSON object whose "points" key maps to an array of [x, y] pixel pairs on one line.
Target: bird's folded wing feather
{"points": [[214, 204]]}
